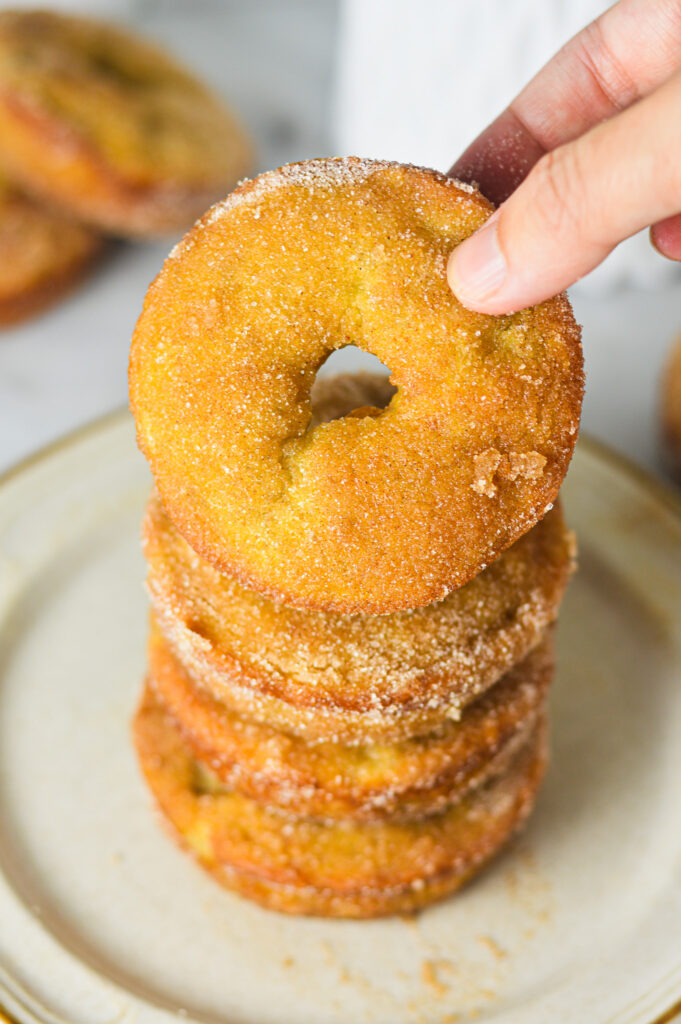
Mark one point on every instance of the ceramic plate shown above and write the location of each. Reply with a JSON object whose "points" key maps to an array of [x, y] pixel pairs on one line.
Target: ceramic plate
{"points": [[103, 920]]}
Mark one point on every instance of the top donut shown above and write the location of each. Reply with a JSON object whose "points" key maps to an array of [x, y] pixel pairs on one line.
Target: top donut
{"points": [[109, 128], [374, 513]]}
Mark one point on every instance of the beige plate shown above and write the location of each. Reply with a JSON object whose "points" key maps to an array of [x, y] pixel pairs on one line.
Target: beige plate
{"points": [[102, 919]]}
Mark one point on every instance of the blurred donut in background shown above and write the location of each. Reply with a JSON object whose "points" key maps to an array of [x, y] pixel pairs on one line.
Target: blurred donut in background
{"points": [[670, 410], [109, 128], [42, 255]]}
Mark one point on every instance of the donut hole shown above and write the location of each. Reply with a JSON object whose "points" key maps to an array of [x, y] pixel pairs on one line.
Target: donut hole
{"points": [[350, 382], [350, 359]]}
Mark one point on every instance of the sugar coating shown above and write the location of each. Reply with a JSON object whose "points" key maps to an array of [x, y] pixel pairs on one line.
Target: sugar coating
{"points": [[354, 677], [368, 514], [313, 175], [334, 781], [346, 869]]}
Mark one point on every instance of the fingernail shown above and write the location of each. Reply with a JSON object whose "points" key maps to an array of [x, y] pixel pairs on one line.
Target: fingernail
{"points": [[476, 269]]}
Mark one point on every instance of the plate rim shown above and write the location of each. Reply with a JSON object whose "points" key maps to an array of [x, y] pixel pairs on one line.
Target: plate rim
{"points": [[62, 443], [661, 491]]}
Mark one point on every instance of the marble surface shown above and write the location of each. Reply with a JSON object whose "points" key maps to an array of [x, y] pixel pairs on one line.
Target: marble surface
{"points": [[275, 62]]}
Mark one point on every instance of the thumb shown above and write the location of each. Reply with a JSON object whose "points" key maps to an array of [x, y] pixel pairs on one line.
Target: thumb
{"points": [[576, 204]]}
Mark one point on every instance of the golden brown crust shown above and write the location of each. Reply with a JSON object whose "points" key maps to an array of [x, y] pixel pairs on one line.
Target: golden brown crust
{"points": [[332, 780], [354, 678], [303, 866], [104, 125], [670, 409], [42, 255], [370, 514]]}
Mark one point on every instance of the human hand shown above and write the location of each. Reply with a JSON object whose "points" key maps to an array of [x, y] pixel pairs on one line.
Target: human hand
{"points": [[587, 154]]}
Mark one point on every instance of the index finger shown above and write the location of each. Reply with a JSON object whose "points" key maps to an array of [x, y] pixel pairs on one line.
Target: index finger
{"points": [[620, 57]]}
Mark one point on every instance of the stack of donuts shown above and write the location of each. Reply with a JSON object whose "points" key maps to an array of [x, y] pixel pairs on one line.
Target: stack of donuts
{"points": [[353, 580]]}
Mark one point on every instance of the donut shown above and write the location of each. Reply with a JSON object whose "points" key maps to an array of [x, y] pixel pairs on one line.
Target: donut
{"points": [[370, 514], [333, 781], [670, 410], [42, 255], [354, 678], [348, 394], [109, 128], [346, 869]]}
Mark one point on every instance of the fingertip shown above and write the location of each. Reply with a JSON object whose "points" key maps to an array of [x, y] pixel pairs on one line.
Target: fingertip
{"points": [[458, 286], [665, 237], [477, 270], [453, 280]]}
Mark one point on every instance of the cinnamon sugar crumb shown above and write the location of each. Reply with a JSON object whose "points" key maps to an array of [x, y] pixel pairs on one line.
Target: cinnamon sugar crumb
{"points": [[491, 463], [493, 946], [431, 977], [529, 465], [486, 465]]}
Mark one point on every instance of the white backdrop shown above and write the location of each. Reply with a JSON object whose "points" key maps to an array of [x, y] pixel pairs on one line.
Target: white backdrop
{"points": [[419, 79]]}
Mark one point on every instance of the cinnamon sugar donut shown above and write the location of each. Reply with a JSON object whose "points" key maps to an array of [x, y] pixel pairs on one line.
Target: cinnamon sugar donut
{"points": [[42, 255], [344, 869], [368, 514], [354, 678], [331, 780], [108, 127]]}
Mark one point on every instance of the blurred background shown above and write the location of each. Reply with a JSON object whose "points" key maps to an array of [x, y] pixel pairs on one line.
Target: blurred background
{"points": [[400, 79]]}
